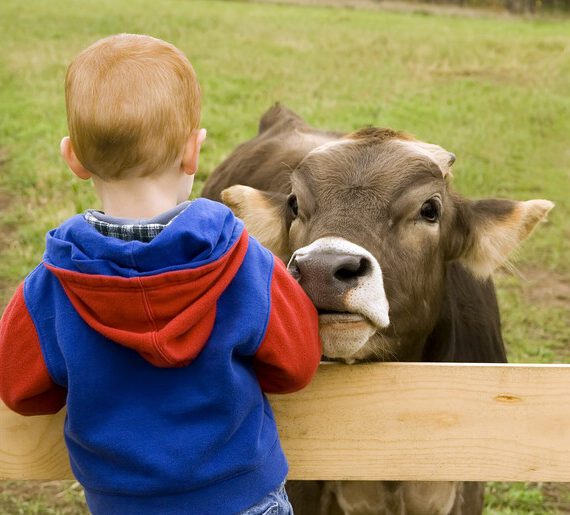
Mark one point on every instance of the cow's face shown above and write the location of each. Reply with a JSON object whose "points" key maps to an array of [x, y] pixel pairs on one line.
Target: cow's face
{"points": [[368, 228]]}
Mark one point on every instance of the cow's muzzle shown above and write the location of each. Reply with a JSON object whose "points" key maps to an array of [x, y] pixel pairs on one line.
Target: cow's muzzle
{"points": [[345, 283]]}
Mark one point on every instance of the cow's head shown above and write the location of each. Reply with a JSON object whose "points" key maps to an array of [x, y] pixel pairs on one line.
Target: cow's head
{"points": [[368, 228]]}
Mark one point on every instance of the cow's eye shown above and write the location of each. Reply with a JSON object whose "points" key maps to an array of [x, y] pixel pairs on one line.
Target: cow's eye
{"points": [[292, 203], [431, 210]]}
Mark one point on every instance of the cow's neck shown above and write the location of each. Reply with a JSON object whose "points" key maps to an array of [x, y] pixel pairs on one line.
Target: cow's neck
{"points": [[469, 327]]}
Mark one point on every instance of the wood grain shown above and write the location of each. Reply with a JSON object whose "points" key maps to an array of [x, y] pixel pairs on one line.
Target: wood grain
{"points": [[407, 421], [32, 447]]}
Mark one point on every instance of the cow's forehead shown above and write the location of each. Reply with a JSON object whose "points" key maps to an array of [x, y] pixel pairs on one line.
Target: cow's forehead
{"points": [[384, 166]]}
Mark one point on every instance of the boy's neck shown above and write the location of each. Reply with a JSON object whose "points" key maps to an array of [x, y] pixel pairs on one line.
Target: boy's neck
{"points": [[143, 197]]}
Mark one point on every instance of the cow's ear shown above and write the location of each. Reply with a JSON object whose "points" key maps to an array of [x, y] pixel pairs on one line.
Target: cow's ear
{"points": [[493, 229], [264, 215]]}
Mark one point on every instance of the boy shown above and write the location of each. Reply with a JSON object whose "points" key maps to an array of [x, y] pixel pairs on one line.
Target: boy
{"points": [[158, 322]]}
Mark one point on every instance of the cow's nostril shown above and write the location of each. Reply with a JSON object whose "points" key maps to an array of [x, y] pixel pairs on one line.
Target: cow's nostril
{"points": [[352, 268], [294, 269]]}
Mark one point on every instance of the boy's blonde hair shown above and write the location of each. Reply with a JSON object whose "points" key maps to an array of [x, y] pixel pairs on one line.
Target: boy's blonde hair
{"points": [[132, 103]]}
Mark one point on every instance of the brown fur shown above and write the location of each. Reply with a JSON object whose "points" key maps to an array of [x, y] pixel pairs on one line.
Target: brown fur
{"points": [[255, 208], [376, 135]]}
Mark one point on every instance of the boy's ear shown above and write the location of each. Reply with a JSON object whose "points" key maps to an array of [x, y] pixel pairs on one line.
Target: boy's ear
{"points": [[191, 155], [68, 154]]}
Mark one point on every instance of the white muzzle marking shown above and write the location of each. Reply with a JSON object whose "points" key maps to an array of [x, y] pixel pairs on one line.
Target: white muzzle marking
{"points": [[344, 335], [368, 297]]}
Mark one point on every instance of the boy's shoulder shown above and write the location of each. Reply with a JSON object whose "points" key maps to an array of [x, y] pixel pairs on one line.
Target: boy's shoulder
{"points": [[41, 291]]}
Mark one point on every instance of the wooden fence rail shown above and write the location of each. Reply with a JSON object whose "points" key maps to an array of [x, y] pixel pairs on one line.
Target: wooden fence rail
{"points": [[406, 421]]}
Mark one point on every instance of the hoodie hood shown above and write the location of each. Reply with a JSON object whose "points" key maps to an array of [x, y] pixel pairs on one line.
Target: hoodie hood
{"points": [[157, 298]]}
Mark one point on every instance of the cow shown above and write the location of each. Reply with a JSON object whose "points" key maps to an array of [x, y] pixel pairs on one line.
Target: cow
{"points": [[397, 263]]}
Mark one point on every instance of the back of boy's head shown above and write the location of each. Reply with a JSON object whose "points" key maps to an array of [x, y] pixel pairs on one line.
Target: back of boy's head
{"points": [[132, 103]]}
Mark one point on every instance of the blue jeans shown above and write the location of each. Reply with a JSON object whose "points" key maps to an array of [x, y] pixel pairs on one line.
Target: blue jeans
{"points": [[274, 503]]}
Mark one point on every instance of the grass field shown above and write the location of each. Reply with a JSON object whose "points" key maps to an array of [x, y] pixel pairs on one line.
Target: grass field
{"points": [[494, 91]]}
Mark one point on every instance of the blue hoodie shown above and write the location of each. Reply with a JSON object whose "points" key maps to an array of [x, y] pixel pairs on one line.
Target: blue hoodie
{"points": [[162, 352]]}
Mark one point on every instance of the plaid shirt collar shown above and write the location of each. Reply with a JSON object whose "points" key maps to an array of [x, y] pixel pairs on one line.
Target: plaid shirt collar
{"points": [[127, 230]]}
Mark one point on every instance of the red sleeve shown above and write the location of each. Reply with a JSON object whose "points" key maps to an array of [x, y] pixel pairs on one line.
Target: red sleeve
{"points": [[290, 352], [25, 385]]}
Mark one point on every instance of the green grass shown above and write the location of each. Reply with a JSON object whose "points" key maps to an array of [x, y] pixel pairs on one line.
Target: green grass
{"points": [[35, 498], [495, 92], [504, 498]]}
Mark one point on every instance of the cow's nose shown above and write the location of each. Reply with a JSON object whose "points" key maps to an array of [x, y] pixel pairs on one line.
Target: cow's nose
{"points": [[341, 268], [326, 277]]}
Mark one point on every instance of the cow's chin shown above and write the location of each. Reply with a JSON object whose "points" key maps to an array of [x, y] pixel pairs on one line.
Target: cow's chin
{"points": [[344, 334]]}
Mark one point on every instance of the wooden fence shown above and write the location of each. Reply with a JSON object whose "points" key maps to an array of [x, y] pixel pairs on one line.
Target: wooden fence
{"points": [[407, 421]]}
